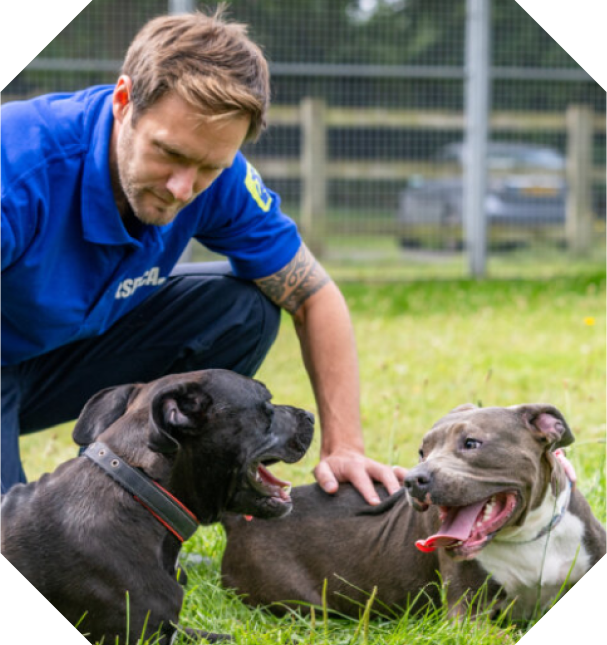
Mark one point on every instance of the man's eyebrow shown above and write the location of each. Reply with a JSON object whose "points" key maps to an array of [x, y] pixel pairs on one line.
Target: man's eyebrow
{"points": [[187, 156]]}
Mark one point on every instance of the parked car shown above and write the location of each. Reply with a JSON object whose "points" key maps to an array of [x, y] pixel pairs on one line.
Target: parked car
{"points": [[526, 189]]}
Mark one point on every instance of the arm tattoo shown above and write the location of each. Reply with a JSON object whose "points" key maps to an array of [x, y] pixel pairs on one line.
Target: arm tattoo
{"points": [[292, 286]]}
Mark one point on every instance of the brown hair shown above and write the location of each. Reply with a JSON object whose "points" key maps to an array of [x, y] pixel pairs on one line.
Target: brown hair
{"points": [[210, 63]]}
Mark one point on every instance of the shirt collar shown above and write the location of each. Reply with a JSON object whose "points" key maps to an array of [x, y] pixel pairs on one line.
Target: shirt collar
{"points": [[101, 221]]}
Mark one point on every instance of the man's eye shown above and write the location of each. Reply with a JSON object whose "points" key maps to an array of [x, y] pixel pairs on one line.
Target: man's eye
{"points": [[472, 444], [169, 154]]}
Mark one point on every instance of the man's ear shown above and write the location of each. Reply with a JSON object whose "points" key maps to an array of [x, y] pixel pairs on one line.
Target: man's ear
{"points": [[100, 412], [176, 413], [121, 98]]}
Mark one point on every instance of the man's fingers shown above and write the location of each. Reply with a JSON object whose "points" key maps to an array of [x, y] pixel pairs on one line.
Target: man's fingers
{"points": [[325, 478], [361, 473], [363, 483], [401, 474], [391, 478], [355, 474]]}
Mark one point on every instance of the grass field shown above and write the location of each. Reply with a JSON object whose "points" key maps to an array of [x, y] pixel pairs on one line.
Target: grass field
{"points": [[424, 348]]}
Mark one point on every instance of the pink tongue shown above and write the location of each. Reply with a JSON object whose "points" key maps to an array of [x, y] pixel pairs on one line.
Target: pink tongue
{"points": [[456, 527], [269, 478]]}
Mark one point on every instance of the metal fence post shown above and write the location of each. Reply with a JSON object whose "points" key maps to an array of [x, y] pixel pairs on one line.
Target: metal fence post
{"points": [[181, 6], [478, 53], [313, 173], [176, 7], [579, 178]]}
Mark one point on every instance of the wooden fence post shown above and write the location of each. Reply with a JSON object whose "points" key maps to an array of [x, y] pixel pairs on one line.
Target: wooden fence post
{"points": [[579, 178], [313, 173]]}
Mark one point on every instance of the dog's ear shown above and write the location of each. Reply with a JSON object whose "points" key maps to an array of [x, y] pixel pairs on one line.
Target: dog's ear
{"points": [[100, 412], [547, 425], [176, 413], [464, 407]]}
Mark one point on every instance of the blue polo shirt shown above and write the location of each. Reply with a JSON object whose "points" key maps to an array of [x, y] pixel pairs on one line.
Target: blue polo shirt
{"points": [[70, 269]]}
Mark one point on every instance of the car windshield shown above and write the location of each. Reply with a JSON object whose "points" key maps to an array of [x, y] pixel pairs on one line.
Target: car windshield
{"points": [[511, 157], [526, 158]]}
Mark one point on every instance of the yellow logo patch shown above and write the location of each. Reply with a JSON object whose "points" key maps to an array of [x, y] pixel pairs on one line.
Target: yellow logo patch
{"points": [[257, 189]]}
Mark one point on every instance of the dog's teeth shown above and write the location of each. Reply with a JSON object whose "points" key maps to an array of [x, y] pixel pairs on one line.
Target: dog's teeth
{"points": [[489, 509]]}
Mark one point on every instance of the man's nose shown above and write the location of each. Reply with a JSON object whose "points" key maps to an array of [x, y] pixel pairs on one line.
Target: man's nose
{"points": [[182, 183]]}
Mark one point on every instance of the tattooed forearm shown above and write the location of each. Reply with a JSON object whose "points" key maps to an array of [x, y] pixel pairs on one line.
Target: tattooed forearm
{"points": [[292, 286]]}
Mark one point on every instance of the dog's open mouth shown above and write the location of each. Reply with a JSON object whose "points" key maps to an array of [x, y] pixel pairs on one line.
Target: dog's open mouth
{"points": [[267, 484], [260, 493], [465, 530]]}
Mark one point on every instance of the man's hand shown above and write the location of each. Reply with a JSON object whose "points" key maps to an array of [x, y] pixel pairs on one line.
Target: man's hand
{"points": [[352, 466]]}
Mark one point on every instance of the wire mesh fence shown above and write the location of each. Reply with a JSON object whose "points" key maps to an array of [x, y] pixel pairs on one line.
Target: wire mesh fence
{"points": [[365, 144]]}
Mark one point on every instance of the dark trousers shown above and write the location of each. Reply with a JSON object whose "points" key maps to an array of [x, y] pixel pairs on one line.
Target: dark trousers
{"points": [[202, 317]]}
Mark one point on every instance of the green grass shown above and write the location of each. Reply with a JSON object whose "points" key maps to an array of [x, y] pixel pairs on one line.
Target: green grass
{"points": [[424, 348]]}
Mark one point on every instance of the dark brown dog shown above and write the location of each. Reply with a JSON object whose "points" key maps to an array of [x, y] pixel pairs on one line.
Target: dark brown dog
{"points": [[497, 498], [84, 540]]}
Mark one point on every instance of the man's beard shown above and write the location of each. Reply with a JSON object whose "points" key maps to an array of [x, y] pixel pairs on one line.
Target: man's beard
{"points": [[129, 195]]}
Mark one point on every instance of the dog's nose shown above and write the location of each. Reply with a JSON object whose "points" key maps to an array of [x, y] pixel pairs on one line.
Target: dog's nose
{"points": [[418, 481], [308, 416]]}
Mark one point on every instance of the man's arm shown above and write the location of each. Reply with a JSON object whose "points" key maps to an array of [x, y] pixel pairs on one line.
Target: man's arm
{"points": [[322, 322]]}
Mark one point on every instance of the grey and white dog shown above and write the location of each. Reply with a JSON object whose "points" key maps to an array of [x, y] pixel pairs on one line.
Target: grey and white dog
{"points": [[495, 500]]}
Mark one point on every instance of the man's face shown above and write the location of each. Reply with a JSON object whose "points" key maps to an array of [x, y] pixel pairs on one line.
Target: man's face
{"points": [[169, 156]]}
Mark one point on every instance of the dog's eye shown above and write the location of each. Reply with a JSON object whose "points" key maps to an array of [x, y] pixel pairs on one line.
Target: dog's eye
{"points": [[472, 444]]}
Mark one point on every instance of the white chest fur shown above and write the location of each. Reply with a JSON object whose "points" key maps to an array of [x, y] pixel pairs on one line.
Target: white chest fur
{"points": [[534, 570]]}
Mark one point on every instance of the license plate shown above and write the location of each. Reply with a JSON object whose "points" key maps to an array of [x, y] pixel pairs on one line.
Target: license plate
{"points": [[539, 191]]}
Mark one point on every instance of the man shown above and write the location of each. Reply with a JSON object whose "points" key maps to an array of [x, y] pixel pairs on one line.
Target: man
{"points": [[102, 191]]}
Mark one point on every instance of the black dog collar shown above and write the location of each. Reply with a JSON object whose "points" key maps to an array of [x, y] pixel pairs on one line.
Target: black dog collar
{"points": [[170, 512]]}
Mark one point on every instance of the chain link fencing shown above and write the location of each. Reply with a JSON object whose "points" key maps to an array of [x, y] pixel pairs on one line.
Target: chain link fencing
{"points": [[367, 128]]}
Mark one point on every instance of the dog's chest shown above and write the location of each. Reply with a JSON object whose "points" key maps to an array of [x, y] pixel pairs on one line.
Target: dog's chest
{"points": [[534, 572]]}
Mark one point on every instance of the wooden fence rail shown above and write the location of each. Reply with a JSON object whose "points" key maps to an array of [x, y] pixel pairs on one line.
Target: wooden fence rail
{"points": [[579, 123]]}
